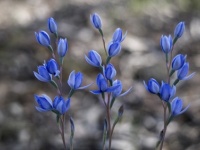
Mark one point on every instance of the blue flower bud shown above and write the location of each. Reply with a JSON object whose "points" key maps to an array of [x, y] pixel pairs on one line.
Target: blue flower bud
{"points": [[177, 107], [178, 32], [44, 103], [95, 20], [167, 91], [114, 49], [60, 105], [43, 38], [52, 26], [178, 61], [62, 47], [94, 58], [43, 75], [110, 72], [75, 80], [182, 72], [152, 86], [52, 67], [117, 36], [166, 43], [103, 85]]}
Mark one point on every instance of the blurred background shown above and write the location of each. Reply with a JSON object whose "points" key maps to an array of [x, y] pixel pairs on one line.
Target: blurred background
{"points": [[22, 127]]}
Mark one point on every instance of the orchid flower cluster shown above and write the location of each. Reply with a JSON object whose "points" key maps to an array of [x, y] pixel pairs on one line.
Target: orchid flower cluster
{"points": [[167, 90], [51, 72], [108, 87]]}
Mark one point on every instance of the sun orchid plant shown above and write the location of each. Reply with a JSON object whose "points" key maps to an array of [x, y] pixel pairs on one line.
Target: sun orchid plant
{"points": [[108, 87], [166, 91]]}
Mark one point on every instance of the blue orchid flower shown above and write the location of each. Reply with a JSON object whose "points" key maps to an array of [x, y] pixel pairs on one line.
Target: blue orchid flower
{"points": [[44, 103], [118, 36], [52, 67], [75, 81], [152, 86], [93, 58], [166, 43], [179, 30], [60, 105], [62, 47], [167, 91], [178, 61], [110, 71], [177, 107], [182, 73], [117, 92], [113, 49], [43, 38], [103, 85], [52, 26], [43, 74], [95, 20]]}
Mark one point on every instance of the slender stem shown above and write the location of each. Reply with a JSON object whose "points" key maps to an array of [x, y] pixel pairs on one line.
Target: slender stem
{"points": [[52, 51], [60, 79], [61, 129], [112, 130], [109, 123], [103, 40], [165, 126]]}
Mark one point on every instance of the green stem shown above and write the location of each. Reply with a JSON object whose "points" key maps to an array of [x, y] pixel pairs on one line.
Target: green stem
{"points": [[61, 128], [176, 81], [103, 40], [171, 72], [109, 123], [108, 59], [52, 52], [71, 93]]}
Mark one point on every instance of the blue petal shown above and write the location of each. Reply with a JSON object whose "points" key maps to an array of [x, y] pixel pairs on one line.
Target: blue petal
{"points": [[145, 85], [43, 102], [128, 91], [114, 49], [60, 106], [44, 73], [40, 109], [39, 77], [78, 80], [103, 85], [96, 92], [112, 88], [124, 36], [98, 79], [71, 79], [181, 74], [184, 110], [56, 101], [67, 104], [84, 87], [47, 98], [95, 57], [117, 36], [173, 91], [90, 62], [189, 76]]}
